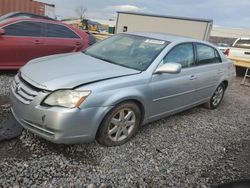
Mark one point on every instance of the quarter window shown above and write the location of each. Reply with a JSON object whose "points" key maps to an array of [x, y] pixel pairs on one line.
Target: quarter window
{"points": [[26, 29], [207, 55], [60, 31], [182, 54]]}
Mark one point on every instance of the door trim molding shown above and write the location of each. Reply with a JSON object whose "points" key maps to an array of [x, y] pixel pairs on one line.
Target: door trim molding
{"points": [[183, 93]]}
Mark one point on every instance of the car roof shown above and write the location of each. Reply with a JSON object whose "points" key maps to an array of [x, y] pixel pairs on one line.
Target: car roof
{"points": [[244, 38], [23, 15], [167, 37], [16, 19]]}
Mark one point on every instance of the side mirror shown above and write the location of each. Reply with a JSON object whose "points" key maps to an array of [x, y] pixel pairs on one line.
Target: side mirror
{"points": [[171, 68], [2, 31]]}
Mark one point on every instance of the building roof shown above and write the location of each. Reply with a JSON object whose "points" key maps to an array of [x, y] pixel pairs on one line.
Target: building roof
{"points": [[230, 32], [166, 16]]}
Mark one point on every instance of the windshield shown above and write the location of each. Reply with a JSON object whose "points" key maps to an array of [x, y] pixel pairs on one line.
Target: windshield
{"points": [[126, 50]]}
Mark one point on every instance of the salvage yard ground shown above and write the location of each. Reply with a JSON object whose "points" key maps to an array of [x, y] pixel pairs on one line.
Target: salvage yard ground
{"points": [[195, 148]]}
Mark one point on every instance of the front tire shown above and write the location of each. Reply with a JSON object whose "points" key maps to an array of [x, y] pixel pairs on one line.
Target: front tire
{"points": [[217, 97], [119, 125]]}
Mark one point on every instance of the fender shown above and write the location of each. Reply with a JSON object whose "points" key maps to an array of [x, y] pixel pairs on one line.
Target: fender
{"points": [[131, 94]]}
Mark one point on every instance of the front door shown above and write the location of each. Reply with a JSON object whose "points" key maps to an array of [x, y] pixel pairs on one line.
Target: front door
{"points": [[173, 92], [22, 42]]}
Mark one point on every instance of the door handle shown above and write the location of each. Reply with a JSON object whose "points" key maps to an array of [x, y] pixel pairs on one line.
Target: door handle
{"points": [[78, 43], [37, 42], [220, 72], [192, 77], [247, 53]]}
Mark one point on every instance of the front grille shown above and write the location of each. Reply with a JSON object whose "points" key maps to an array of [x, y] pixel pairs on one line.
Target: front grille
{"points": [[23, 90]]}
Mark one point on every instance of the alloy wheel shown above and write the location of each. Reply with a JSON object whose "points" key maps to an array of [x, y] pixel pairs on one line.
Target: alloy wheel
{"points": [[122, 124], [218, 95]]}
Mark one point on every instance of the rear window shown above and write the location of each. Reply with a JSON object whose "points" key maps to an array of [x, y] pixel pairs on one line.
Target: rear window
{"points": [[59, 31], [242, 44]]}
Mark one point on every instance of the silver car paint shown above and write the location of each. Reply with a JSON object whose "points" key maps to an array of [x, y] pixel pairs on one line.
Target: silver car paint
{"points": [[159, 95], [57, 76]]}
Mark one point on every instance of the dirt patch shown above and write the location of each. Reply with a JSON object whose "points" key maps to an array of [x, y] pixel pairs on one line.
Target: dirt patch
{"points": [[4, 100], [14, 149], [234, 165]]}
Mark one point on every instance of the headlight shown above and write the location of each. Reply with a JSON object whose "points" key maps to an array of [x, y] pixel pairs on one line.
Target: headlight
{"points": [[66, 98]]}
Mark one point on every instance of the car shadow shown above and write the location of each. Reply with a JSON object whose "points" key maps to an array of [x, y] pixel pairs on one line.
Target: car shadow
{"points": [[187, 112], [81, 153], [14, 149], [8, 72], [238, 184]]}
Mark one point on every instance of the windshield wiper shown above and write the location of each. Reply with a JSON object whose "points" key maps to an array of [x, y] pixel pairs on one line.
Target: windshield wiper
{"points": [[101, 58], [109, 61]]}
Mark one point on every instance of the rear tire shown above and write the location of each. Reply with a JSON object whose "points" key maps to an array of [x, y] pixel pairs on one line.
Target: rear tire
{"points": [[119, 125], [217, 97]]}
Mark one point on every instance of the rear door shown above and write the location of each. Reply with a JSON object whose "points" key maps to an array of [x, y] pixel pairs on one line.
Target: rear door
{"points": [[208, 70], [22, 42], [61, 39]]}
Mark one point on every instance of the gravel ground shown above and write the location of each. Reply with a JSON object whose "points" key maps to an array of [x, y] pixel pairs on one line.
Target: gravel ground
{"points": [[196, 148], [5, 81]]}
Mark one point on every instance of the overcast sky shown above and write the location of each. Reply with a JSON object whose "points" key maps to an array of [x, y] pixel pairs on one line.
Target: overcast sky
{"points": [[227, 13]]}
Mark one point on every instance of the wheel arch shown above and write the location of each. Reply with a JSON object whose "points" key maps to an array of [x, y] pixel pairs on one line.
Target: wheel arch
{"points": [[117, 103], [225, 83], [138, 103]]}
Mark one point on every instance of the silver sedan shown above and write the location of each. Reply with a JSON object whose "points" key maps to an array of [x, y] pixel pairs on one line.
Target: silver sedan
{"points": [[107, 91]]}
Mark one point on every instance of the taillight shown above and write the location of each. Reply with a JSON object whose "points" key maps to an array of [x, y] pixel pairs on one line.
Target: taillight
{"points": [[227, 52]]}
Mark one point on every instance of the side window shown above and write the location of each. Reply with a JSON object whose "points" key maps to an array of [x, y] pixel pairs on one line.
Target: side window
{"points": [[60, 31], [207, 55], [242, 44], [182, 54], [25, 29]]}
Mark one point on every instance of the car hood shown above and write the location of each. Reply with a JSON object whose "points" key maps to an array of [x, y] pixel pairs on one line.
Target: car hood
{"points": [[70, 70]]}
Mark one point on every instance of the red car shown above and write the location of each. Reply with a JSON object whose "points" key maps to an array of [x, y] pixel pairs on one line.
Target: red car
{"points": [[23, 39]]}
